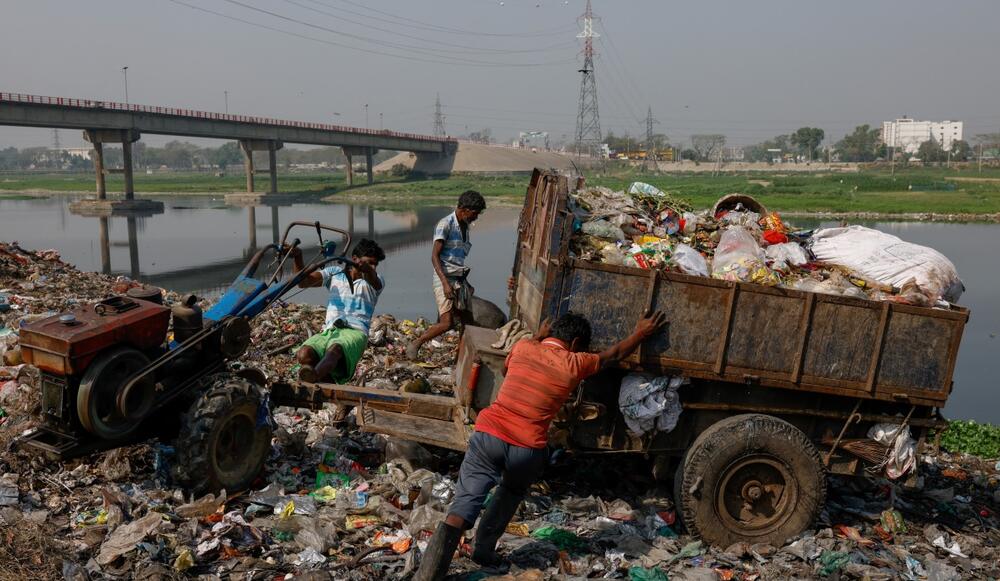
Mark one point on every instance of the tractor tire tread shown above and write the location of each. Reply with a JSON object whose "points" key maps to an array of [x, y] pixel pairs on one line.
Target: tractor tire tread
{"points": [[193, 465]]}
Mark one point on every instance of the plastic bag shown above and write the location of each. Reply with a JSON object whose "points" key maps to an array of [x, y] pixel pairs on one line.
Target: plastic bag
{"points": [[739, 258], [746, 219], [603, 229], [424, 518], [561, 538], [645, 189], [902, 449], [784, 255], [689, 260], [649, 403], [889, 260]]}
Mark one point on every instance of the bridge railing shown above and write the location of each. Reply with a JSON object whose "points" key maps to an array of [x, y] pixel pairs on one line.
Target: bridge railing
{"points": [[192, 113]]}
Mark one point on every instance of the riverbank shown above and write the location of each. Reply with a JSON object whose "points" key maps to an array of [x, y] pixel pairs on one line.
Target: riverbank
{"points": [[920, 194]]}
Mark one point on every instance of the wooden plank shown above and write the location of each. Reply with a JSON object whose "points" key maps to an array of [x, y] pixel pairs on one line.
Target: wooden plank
{"points": [[433, 432], [956, 340], [879, 345], [726, 328], [804, 325], [650, 297]]}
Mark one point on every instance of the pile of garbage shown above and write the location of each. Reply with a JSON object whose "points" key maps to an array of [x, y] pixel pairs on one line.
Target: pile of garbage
{"points": [[334, 503], [739, 240], [344, 505]]}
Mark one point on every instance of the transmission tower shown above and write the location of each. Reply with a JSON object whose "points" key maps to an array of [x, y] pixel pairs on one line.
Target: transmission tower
{"points": [[438, 118], [650, 146], [588, 120], [56, 145]]}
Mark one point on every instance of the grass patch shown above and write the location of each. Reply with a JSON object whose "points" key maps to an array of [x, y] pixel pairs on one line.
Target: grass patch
{"points": [[910, 190]]}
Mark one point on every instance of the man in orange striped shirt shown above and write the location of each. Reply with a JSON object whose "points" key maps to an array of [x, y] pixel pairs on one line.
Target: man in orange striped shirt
{"points": [[509, 445]]}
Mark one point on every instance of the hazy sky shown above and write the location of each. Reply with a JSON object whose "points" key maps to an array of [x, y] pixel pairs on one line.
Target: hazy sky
{"points": [[750, 70]]}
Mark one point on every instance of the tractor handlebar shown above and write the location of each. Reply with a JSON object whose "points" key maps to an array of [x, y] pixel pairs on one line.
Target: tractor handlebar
{"points": [[319, 232]]}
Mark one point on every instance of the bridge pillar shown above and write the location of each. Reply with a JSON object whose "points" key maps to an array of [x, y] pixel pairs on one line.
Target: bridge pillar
{"points": [[98, 137], [127, 165], [350, 152], [271, 146], [272, 159], [247, 164], [102, 191], [370, 165]]}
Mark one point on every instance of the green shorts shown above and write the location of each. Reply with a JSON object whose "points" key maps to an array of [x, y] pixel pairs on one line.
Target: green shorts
{"points": [[351, 341]]}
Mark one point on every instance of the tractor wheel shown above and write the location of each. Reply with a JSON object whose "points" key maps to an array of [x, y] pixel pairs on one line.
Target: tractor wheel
{"points": [[97, 398], [225, 437], [750, 478]]}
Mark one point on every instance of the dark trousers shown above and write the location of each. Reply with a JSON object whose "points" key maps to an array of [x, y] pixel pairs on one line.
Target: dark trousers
{"points": [[489, 460]]}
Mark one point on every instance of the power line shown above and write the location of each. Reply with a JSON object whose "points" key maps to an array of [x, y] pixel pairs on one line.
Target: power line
{"points": [[347, 46], [615, 54], [427, 51], [616, 86], [465, 48], [438, 28]]}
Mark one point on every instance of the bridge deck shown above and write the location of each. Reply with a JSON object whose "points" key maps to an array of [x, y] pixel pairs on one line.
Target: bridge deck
{"points": [[67, 113]]}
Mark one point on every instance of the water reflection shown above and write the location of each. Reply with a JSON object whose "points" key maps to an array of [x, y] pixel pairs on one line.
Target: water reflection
{"points": [[132, 217], [208, 273]]}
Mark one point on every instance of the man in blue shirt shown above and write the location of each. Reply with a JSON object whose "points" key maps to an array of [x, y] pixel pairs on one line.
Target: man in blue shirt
{"points": [[452, 290], [333, 353]]}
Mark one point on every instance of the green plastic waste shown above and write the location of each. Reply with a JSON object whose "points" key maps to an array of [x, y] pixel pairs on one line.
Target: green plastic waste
{"points": [[642, 574], [832, 561], [690, 550], [326, 494], [561, 538], [334, 479], [666, 531]]}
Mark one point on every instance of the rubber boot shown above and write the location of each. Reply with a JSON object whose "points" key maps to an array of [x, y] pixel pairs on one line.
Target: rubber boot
{"points": [[491, 528], [441, 548]]}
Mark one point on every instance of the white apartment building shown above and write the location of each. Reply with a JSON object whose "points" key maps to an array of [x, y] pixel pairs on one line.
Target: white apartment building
{"points": [[907, 134]]}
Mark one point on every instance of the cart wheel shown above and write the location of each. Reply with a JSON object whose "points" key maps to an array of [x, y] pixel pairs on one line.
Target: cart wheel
{"points": [[224, 438], [750, 478]]}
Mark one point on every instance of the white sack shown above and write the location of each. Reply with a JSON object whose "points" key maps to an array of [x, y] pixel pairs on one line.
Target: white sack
{"points": [[888, 259]]}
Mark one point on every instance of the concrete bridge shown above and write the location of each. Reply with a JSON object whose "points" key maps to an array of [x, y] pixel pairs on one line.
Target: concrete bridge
{"points": [[109, 122]]}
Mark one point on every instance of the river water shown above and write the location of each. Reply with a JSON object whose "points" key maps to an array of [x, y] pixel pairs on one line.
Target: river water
{"points": [[199, 243]]}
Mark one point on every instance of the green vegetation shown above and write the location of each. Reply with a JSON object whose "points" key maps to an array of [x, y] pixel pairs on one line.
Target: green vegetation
{"points": [[970, 437], [911, 190], [921, 190]]}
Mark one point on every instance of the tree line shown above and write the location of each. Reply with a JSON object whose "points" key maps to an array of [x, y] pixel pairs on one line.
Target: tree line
{"points": [[177, 155]]}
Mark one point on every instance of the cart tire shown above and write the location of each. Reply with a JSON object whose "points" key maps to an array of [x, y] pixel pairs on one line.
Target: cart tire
{"points": [[750, 478], [223, 441]]}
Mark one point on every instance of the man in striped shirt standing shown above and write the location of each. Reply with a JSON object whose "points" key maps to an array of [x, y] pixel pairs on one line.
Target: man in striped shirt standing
{"points": [[452, 290], [509, 447]]}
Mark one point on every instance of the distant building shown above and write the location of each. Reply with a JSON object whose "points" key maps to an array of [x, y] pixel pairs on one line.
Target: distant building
{"points": [[907, 134]]}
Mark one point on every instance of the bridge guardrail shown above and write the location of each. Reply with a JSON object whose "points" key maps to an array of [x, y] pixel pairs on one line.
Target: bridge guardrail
{"points": [[131, 107]]}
